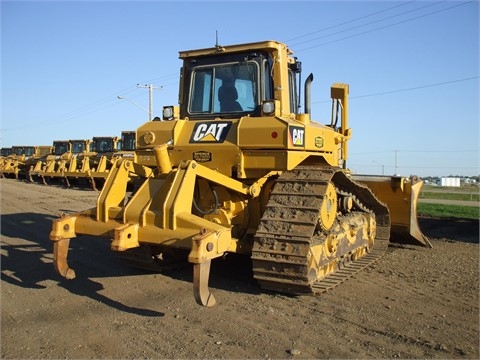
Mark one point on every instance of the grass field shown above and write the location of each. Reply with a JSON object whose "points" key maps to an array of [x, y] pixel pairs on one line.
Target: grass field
{"points": [[445, 193], [455, 211], [463, 194]]}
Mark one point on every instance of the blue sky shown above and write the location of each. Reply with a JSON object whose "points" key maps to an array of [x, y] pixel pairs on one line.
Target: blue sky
{"points": [[412, 66]]}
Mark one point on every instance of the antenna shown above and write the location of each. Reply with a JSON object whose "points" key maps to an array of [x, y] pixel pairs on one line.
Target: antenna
{"points": [[217, 46]]}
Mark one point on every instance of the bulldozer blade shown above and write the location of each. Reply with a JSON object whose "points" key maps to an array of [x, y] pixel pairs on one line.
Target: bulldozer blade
{"points": [[400, 194], [203, 296]]}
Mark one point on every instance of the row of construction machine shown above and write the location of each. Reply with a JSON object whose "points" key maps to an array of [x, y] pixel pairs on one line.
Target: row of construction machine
{"points": [[65, 152], [17, 161], [82, 161], [95, 165]]}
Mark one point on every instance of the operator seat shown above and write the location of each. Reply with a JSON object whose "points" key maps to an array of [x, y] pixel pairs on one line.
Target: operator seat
{"points": [[228, 95]]}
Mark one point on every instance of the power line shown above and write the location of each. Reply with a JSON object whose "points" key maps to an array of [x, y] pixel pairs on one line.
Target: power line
{"points": [[416, 87], [349, 21], [103, 103], [383, 27], [370, 23], [406, 89], [107, 101]]}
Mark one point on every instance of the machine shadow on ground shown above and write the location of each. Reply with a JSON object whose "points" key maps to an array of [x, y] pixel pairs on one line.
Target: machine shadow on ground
{"points": [[27, 255], [460, 230]]}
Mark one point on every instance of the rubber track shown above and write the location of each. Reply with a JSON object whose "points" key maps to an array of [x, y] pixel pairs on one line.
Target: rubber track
{"points": [[285, 271]]}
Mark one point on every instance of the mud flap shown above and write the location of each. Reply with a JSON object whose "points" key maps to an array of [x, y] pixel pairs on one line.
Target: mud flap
{"points": [[400, 194]]}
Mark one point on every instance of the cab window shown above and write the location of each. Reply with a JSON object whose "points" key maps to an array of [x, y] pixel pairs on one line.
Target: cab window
{"points": [[224, 88]]}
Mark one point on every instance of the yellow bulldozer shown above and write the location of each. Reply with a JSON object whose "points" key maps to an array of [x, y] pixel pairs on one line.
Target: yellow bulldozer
{"points": [[62, 159], [93, 162], [105, 148], [4, 154], [127, 146], [22, 159], [10, 160], [235, 167]]}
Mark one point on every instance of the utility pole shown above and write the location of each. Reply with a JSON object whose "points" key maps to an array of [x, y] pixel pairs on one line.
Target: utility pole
{"points": [[150, 93]]}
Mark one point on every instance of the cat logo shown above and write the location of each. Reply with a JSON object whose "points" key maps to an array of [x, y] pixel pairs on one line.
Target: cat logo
{"points": [[212, 132], [297, 136]]}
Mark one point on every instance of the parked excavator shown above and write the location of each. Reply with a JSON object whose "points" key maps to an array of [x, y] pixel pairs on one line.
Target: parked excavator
{"points": [[235, 167]]}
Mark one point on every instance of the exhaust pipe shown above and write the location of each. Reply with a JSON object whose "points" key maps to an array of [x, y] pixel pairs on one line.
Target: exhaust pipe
{"points": [[308, 96]]}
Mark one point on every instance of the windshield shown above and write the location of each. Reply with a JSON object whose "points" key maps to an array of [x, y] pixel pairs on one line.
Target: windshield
{"points": [[103, 145], [6, 151], [60, 148], [18, 150], [128, 142], [224, 88], [78, 147], [29, 151]]}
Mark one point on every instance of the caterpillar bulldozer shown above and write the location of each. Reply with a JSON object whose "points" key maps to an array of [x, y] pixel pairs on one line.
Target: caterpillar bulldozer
{"points": [[22, 159], [4, 154], [127, 146], [10, 161], [94, 162], [62, 159], [28, 164], [235, 167], [50, 159], [105, 149]]}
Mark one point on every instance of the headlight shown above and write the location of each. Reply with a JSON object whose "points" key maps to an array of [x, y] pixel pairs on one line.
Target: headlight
{"points": [[167, 113], [268, 107]]}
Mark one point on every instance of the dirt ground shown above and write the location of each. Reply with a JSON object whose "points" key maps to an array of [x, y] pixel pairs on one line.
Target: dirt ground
{"points": [[415, 302]]}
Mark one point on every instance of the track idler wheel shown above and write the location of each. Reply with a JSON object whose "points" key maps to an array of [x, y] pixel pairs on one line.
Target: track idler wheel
{"points": [[329, 208]]}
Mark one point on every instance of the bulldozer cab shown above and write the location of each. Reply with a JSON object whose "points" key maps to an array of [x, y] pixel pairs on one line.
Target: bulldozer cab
{"points": [[234, 81], [102, 145], [29, 151], [6, 151], [79, 146], [60, 147], [127, 142], [18, 150]]}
